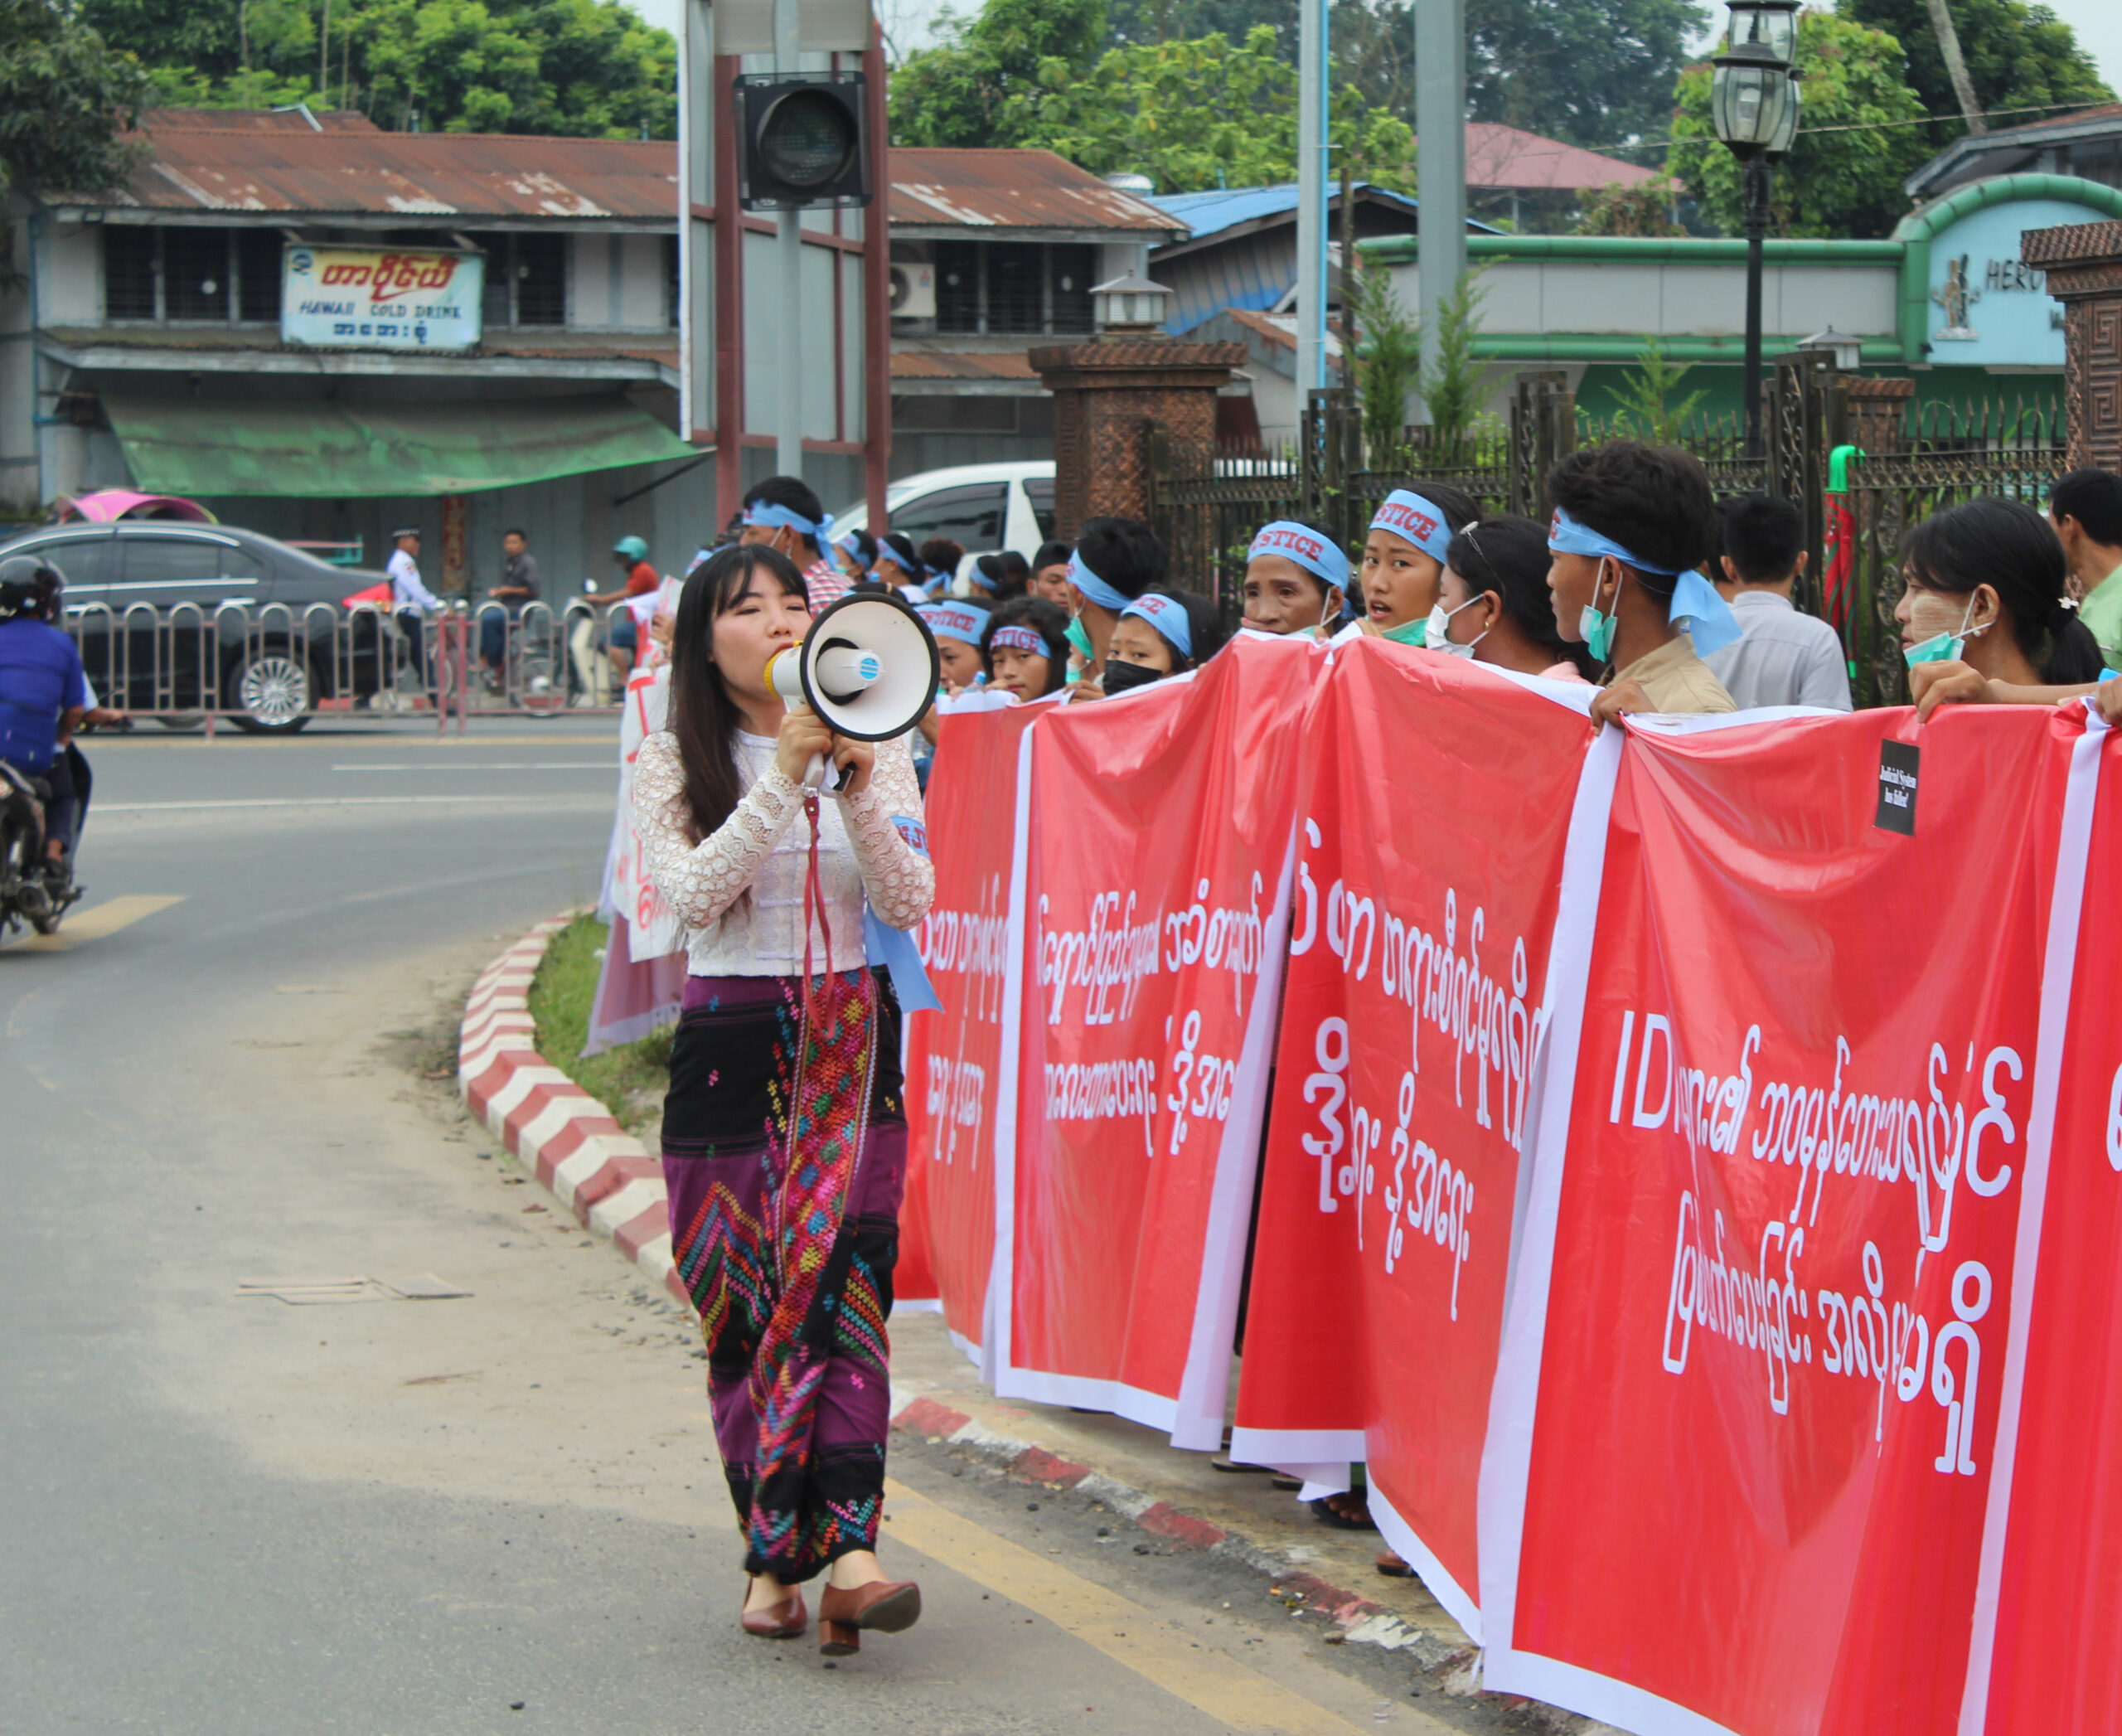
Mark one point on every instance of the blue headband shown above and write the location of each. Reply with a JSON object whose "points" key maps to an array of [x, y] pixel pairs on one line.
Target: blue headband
{"points": [[1095, 587], [959, 621], [853, 549], [765, 512], [1410, 517], [1696, 605], [1168, 614], [1321, 556]]}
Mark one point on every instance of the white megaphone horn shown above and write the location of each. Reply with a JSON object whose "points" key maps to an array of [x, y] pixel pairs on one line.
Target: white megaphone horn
{"points": [[868, 666]]}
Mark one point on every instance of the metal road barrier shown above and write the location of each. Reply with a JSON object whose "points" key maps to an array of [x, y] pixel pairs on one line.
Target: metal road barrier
{"points": [[268, 667]]}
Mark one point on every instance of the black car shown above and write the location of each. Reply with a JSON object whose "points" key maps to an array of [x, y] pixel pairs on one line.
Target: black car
{"points": [[173, 619]]}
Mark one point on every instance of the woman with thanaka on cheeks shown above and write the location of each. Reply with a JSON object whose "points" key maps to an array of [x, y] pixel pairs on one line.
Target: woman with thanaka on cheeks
{"points": [[1026, 647], [1631, 523], [1403, 558], [785, 1179], [1296, 580], [1493, 605]]}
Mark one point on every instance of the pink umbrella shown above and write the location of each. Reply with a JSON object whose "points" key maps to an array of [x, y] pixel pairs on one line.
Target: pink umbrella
{"points": [[107, 505]]}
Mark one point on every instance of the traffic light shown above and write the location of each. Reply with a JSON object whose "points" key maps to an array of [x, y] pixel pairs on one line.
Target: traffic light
{"points": [[802, 140]]}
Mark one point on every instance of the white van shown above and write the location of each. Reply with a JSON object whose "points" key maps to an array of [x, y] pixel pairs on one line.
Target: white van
{"points": [[983, 507]]}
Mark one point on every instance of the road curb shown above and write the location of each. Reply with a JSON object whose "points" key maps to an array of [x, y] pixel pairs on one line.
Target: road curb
{"points": [[557, 1132], [569, 1142]]}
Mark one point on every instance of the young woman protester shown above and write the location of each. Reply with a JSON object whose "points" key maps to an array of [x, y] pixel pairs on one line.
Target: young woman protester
{"points": [[1001, 577], [1404, 555], [1297, 579], [1983, 616], [1631, 523], [1492, 605], [1026, 648], [784, 1134], [1161, 633], [901, 567]]}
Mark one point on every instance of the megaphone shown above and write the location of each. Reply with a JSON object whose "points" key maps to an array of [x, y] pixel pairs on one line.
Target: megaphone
{"points": [[868, 666]]}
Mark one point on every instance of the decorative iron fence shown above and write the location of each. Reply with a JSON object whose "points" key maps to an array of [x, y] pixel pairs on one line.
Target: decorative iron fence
{"points": [[1901, 462]]}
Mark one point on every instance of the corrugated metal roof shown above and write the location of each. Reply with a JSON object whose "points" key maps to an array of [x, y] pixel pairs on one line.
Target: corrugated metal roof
{"points": [[946, 364], [1010, 189], [461, 175], [256, 120]]}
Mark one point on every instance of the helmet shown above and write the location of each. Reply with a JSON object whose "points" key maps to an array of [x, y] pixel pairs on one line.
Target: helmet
{"points": [[632, 547], [30, 585]]}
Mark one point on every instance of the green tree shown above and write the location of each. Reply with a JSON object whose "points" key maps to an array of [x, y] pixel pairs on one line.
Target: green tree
{"points": [[1592, 72], [1644, 208], [1855, 143], [1387, 358], [1451, 386], [64, 99], [2018, 56], [1647, 410], [961, 92]]}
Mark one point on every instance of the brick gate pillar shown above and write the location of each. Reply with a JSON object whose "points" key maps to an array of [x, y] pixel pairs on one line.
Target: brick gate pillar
{"points": [[2084, 265], [1107, 394]]}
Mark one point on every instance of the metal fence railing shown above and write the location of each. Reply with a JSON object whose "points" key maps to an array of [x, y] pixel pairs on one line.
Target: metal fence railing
{"points": [[269, 668]]}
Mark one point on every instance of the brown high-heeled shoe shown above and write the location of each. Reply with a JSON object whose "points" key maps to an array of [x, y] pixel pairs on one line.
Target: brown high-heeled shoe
{"points": [[783, 1621], [884, 1606]]}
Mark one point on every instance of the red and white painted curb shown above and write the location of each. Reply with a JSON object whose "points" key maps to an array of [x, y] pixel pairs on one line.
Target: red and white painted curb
{"points": [[557, 1131]]}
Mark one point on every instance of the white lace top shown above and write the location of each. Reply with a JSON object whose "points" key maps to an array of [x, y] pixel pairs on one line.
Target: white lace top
{"points": [[739, 891]]}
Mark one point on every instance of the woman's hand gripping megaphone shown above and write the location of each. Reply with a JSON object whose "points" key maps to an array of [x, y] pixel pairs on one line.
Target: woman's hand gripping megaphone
{"points": [[865, 671], [840, 670]]}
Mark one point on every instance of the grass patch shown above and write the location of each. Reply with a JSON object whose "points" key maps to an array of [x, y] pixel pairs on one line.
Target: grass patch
{"points": [[629, 1080]]}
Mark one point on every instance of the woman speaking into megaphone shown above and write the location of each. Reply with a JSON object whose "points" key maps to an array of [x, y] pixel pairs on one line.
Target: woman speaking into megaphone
{"points": [[784, 1134]]}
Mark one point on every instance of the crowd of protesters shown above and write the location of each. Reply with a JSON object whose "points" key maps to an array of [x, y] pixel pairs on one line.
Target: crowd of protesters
{"points": [[1641, 586]]}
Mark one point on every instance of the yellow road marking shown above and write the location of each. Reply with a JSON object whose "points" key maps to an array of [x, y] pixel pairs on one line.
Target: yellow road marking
{"points": [[99, 920], [1218, 1684]]}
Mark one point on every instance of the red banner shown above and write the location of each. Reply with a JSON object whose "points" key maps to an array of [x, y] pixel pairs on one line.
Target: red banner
{"points": [[960, 1092], [1159, 830], [1425, 901], [1743, 1426]]}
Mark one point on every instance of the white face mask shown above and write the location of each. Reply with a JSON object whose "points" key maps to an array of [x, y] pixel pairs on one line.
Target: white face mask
{"points": [[1436, 638]]}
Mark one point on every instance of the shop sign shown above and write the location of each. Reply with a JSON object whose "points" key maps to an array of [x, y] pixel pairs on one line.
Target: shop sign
{"points": [[381, 298]]}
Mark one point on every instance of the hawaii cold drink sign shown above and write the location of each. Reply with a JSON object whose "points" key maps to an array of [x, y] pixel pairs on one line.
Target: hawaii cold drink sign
{"points": [[381, 299]]}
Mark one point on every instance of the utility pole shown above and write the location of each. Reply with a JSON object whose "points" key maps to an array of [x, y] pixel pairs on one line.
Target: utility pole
{"points": [[1311, 201], [1441, 161], [1941, 26], [788, 241]]}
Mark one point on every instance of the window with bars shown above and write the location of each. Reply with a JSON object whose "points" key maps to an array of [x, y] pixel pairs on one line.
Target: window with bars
{"points": [[540, 275], [196, 273], [129, 271], [1019, 287], [259, 256], [199, 276]]}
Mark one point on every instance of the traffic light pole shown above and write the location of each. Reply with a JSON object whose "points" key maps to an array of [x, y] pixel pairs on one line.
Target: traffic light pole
{"points": [[788, 422]]}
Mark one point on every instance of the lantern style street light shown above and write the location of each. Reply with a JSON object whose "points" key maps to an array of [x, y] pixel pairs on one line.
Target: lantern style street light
{"points": [[1128, 306], [1753, 104]]}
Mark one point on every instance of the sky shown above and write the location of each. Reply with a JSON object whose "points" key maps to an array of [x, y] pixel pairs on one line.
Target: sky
{"points": [[910, 25]]}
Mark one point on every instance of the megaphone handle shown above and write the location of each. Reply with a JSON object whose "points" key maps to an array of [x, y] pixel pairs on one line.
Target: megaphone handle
{"points": [[818, 771]]}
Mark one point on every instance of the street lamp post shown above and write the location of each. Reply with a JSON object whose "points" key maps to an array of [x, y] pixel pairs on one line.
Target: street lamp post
{"points": [[1753, 104]]}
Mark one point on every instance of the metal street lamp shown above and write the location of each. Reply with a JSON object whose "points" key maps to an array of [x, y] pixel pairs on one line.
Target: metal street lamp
{"points": [[1753, 104]]}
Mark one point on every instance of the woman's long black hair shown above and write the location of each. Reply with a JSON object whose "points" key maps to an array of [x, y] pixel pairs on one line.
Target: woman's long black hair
{"points": [[703, 716], [2010, 547], [1508, 554]]}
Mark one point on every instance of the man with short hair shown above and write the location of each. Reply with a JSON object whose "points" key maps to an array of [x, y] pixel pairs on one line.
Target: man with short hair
{"points": [[1785, 657], [519, 583], [783, 513], [2086, 508], [1115, 562]]}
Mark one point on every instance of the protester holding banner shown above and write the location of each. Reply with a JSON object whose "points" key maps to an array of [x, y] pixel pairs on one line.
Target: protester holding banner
{"points": [[1161, 633], [784, 1133], [1631, 523], [1116, 560], [1492, 605], [1025, 648], [1403, 556], [1297, 579]]}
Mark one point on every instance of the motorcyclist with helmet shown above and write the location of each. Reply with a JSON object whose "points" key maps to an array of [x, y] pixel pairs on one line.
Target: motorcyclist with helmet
{"points": [[44, 697]]}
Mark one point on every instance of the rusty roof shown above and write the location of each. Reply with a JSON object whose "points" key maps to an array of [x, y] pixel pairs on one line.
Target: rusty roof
{"points": [[1012, 189], [463, 176], [255, 120], [936, 363]]}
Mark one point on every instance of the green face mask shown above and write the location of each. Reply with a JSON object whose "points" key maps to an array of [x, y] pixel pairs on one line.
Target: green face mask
{"points": [[1943, 647], [1409, 632]]}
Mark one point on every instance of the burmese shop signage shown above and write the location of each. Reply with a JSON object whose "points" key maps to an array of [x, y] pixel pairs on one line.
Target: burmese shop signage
{"points": [[381, 298]]}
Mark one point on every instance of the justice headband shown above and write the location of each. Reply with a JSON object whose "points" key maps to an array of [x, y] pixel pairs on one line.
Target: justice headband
{"points": [[1321, 556], [818, 530], [1095, 587], [958, 621], [853, 549], [1019, 638], [1168, 615], [1696, 605], [1407, 514]]}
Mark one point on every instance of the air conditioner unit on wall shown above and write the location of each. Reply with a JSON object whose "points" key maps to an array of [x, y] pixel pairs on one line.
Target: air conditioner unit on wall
{"points": [[913, 290]]}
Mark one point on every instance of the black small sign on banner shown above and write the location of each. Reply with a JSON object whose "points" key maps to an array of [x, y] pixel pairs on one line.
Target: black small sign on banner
{"points": [[1898, 763]]}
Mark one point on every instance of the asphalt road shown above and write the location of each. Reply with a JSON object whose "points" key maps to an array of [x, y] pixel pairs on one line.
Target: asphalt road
{"points": [[224, 1514]]}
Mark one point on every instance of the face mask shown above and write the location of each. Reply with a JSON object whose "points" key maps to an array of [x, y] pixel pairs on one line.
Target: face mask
{"points": [[1436, 638], [1945, 647], [1598, 626], [1120, 678], [1409, 632]]}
